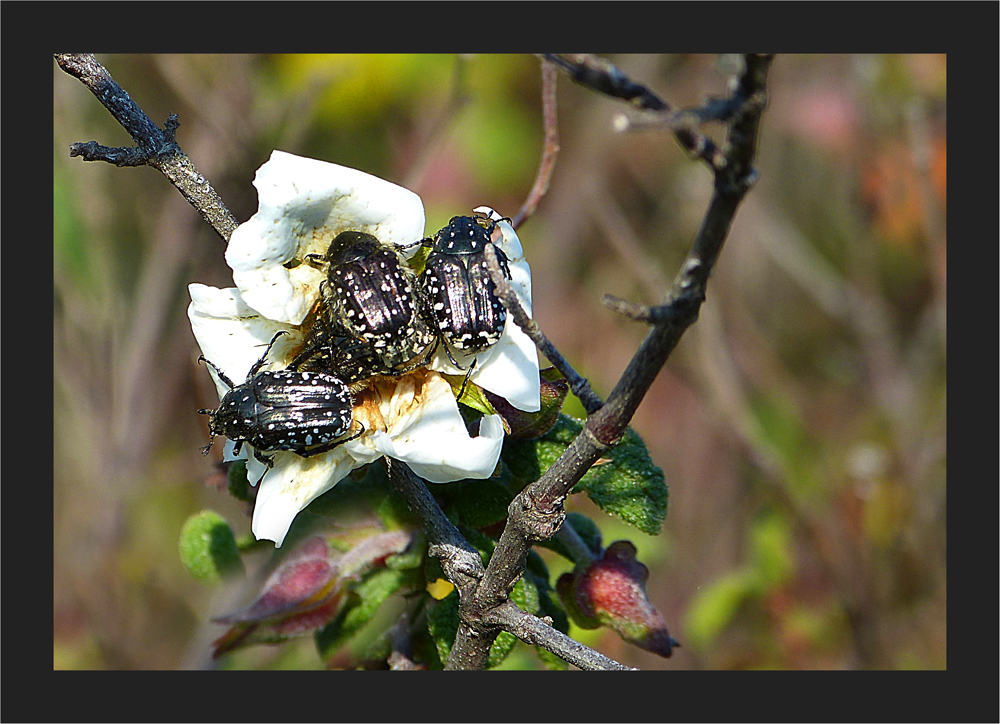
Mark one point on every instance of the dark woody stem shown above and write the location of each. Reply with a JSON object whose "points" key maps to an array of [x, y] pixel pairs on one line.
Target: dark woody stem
{"points": [[154, 146], [579, 385]]}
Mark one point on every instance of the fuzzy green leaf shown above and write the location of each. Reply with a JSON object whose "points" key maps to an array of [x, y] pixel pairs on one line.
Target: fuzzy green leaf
{"points": [[442, 624], [474, 503], [625, 483], [208, 548], [239, 484]]}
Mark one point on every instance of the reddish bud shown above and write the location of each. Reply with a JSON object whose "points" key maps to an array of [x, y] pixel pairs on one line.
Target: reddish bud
{"points": [[305, 591], [611, 592]]}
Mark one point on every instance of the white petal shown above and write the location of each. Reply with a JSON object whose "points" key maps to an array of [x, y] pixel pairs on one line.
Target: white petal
{"points": [[228, 457], [512, 371], [291, 485], [231, 334], [433, 441], [302, 205]]}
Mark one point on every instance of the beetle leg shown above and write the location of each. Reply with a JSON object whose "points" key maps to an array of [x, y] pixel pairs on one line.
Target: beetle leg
{"points": [[204, 450], [429, 241], [465, 382], [316, 261], [222, 375], [330, 445], [260, 363]]}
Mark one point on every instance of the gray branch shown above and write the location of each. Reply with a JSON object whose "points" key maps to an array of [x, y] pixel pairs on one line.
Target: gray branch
{"points": [[533, 630], [154, 147]]}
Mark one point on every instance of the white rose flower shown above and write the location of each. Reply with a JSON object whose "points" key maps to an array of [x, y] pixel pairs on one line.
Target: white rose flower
{"points": [[303, 205]]}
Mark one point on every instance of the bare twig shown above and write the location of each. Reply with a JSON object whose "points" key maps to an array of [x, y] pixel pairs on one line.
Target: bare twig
{"points": [[579, 385], [685, 119], [154, 147], [659, 314], [532, 630], [579, 552], [401, 639], [603, 77], [550, 150]]}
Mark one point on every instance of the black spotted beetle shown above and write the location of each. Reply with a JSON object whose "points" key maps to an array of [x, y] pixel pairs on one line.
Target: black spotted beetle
{"points": [[331, 349], [302, 412], [457, 285], [373, 294]]}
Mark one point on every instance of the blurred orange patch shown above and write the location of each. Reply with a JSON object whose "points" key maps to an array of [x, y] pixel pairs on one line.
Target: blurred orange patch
{"points": [[890, 186]]}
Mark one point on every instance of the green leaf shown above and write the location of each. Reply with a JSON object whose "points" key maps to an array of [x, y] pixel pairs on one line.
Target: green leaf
{"points": [[412, 558], [472, 397], [474, 503], [625, 483], [239, 484], [366, 598], [442, 624], [208, 548]]}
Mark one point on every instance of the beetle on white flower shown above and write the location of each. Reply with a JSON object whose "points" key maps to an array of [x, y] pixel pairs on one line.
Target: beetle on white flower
{"points": [[303, 205]]}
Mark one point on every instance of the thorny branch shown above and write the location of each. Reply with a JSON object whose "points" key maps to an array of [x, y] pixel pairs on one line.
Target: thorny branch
{"points": [[154, 147], [537, 512]]}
